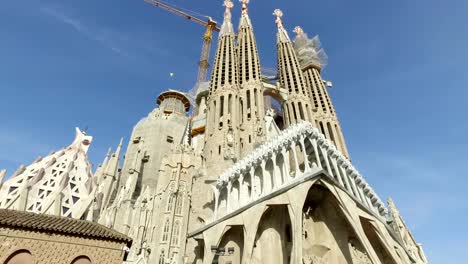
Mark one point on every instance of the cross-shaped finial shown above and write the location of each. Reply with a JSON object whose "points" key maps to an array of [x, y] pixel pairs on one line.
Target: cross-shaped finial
{"points": [[298, 30], [244, 6], [278, 13]]}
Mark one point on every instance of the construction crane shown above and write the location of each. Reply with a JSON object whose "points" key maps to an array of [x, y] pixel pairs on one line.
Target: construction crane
{"points": [[210, 26]]}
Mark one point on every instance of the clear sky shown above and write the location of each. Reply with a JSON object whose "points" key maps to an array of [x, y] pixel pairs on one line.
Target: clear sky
{"points": [[398, 69]]}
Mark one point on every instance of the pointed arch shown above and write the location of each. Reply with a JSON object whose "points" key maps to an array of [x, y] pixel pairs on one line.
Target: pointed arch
{"points": [[375, 239], [232, 242], [274, 234], [324, 221], [280, 170]]}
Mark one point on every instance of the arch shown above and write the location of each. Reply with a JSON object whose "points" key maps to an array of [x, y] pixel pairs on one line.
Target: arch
{"points": [[301, 158], [222, 202], [179, 203], [21, 256], [327, 233], [170, 202], [311, 154], [258, 182], [274, 234], [81, 260], [280, 170], [272, 100], [234, 200], [165, 234], [297, 162], [382, 251], [176, 233], [246, 189], [269, 176], [232, 244]]}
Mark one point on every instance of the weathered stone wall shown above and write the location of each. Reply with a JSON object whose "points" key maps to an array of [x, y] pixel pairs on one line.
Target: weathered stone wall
{"points": [[56, 248]]}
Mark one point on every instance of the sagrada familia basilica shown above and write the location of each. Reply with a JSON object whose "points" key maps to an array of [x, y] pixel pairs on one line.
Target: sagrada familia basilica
{"points": [[241, 179]]}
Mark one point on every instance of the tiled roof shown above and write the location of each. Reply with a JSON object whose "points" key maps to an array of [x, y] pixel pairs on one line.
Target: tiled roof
{"points": [[56, 224]]}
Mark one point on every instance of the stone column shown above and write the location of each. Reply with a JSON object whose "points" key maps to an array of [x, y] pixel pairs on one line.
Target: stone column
{"points": [[242, 193], [216, 196], [228, 197], [317, 154], [275, 183], [296, 162], [325, 157], [335, 166], [286, 164], [266, 188], [253, 190]]}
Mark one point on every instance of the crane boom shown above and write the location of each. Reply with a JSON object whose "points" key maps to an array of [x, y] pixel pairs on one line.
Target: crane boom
{"points": [[183, 14], [210, 25]]}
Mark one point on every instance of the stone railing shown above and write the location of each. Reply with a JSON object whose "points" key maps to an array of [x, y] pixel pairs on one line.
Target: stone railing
{"points": [[284, 160]]}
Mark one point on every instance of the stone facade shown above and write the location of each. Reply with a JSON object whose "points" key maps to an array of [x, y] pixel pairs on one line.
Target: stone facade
{"points": [[47, 248], [27, 238]]}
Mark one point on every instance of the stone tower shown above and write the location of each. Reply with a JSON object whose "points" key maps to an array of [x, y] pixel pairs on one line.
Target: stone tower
{"points": [[222, 135], [251, 88], [152, 138], [297, 107], [311, 60]]}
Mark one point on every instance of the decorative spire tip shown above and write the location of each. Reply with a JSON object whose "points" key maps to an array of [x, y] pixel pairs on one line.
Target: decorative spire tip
{"points": [[229, 5], [245, 9], [278, 13], [298, 30]]}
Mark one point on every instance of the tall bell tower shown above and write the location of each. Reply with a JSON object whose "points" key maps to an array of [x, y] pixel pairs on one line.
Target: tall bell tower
{"points": [[222, 138], [297, 107], [310, 56], [251, 103]]}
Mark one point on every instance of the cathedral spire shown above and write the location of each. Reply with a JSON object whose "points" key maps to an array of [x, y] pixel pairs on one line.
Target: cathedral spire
{"points": [[282, 35], [221, 147], [251, 88], [224, 68], [226, 27], [290, 77], [312, 58], [249, 61]]}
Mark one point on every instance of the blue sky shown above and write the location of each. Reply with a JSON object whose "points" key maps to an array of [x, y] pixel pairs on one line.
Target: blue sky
{"points": [[398, 69]]}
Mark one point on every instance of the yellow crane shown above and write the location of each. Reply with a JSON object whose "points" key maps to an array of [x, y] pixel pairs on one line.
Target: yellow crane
{"points": [[210, 26]]}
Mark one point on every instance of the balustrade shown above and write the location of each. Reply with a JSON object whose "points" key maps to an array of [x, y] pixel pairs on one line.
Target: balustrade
{"points": [[278, 163]]}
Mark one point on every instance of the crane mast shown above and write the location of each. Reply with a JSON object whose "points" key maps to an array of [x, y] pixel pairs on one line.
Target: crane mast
{"points": [[210, 25]]}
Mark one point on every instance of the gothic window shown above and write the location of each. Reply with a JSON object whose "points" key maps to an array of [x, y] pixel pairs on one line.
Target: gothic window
{"points": [[165, 231], [176, 233], [162, 256], [170, 203], [180, 204]]}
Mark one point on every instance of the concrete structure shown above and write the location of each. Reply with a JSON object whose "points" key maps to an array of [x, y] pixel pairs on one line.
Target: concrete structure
{"points": [[29, 238], [239, 182]]}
